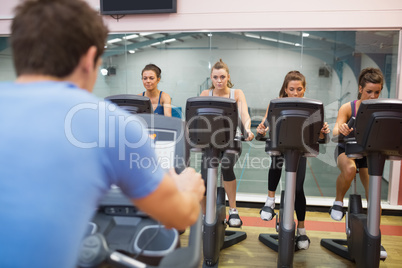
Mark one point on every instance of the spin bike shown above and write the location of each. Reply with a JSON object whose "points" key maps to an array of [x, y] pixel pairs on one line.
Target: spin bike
{"points": [[294, 129], [123, 236], [378, 137], [212, 124]]}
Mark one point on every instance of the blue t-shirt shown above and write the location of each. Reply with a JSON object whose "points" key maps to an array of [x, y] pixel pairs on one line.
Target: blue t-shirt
{"points": [[61, 149]]}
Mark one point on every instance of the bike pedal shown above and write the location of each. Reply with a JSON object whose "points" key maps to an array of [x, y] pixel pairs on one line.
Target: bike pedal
{"points": [[277, 223]]}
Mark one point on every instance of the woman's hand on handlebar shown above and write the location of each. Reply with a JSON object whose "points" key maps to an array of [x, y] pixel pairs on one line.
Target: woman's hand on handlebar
{"points": [[261, 132], [324, 130], [250, 135], [344, 129], [261, 129]]}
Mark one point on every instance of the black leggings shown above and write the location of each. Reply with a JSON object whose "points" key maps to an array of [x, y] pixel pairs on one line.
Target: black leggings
{"points": [[274, 176], [227, 161]]}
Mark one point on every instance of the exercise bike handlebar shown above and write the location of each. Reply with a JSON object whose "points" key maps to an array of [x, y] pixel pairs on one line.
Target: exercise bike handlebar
{"points": [[97, 251], [262, 137], [243, 130], [341, 138]]}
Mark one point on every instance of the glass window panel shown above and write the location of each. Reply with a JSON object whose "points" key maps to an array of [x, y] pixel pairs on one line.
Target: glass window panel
{"points": [[258, 62]]}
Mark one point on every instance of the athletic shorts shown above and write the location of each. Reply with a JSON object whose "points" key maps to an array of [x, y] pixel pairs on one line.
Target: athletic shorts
{"points": [[360, 163]]}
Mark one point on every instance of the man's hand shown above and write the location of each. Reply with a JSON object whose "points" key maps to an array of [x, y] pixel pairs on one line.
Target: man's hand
{"points": [[189, 181]]}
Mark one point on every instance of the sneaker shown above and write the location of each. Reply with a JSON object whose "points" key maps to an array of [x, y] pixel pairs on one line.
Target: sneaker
{"points": [[267, 212], [234, 219], [336, 211], [302, 240], [383, 253]]}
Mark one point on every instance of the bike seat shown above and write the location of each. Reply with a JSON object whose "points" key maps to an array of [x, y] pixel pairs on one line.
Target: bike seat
{"points": [[353, 149]]}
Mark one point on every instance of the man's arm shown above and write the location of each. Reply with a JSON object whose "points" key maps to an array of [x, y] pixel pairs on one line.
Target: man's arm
{"points": [[176, 201]]}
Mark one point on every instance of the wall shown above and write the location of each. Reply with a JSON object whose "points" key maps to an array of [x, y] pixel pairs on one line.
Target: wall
{"points": [[214, 15], [262, 14]]}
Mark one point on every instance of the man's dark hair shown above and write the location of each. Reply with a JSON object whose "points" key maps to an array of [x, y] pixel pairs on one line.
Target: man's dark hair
{"points": [[49, 37]]}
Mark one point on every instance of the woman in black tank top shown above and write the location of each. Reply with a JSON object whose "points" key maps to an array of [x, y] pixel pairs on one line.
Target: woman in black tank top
{"points": [[294, 85], [370, 86]]}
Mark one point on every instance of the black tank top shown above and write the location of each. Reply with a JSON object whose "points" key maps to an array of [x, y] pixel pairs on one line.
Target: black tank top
{"points": [[351, 134]]}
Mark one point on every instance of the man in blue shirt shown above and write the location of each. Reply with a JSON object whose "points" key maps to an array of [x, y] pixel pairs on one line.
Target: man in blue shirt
{"points": [[61, 148]]}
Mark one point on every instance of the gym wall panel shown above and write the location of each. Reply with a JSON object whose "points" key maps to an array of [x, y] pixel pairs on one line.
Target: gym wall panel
{"points": [[258, 14]]}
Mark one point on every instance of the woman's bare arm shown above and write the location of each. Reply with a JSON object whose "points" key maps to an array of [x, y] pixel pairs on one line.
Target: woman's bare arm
{"points": [[245, 117], [167, 104], [341, 126]]}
